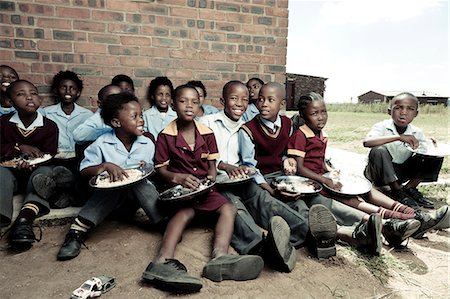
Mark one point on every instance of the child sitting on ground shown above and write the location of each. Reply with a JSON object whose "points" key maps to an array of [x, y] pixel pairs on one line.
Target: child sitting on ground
{"points": [[7, 76], [201, 89], [254, 85], [160, 92], [29, 134], [125, 146], [59, 184], [124, 82], [94, 126], [391, 162], [186, 152], [308, 146]]}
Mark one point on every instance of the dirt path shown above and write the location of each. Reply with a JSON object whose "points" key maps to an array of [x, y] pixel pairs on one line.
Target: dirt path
{"points": [[124, 250]]}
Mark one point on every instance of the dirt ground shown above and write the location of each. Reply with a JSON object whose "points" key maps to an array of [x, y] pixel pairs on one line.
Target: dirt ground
{"points": [[123, 250]]}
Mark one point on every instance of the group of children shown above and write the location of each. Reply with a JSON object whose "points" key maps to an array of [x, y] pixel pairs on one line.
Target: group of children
{"points": [[189, 142]]}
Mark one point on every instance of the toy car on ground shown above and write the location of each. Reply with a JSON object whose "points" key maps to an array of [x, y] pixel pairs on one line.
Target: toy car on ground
{"points": [[94, 287]]}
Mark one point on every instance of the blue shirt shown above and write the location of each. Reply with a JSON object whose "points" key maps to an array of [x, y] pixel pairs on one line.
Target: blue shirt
{"points": [[209, 109], [247, 148], [91, 129], [66, 124], [4, 110], [250, 113], [155, 121], [109, 148]]}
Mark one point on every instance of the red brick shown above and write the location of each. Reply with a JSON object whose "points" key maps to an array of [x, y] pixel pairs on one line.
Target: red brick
{"points": [[206, 14], [239, 18], [114, 70], [122, 5], [37, 79], [136, 40], [274, 51], [89, 26], [6, 31], [102, 60], [212, 56], [6, 55], [90, 48], [277, 12], [108, 16], [20, 67], [173, 2], [178, 73], [54, 2], [247, 67], [254, 29], [148, 30], [73, 13], [184, 54], [88, 3], [244, 57], [282, 3], [51, 68], [282, 22], [54, 23], [123, 28], [154, 52], [45, 45], [37, 9], [194, 65], [132, 61], [184, 12]]}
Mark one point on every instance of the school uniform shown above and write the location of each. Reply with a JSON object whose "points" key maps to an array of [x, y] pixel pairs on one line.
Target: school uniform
{"points": [[6, 110], [155, 121], [311, 147], [246, 234], [91, 128], [394, 162], [173, 152], [108, 148], [209, 109], [43, 134], [67, 124], [250, 113]]}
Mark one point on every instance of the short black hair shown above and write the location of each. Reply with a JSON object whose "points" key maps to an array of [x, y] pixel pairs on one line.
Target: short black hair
{"points": [[101, 93], [305, 99], [122, 78], [114, 103], [66, 75], [228, 85], [158, 81], [11, 87], [7, 66], [257, 79], [198, 84], [178, 90]]}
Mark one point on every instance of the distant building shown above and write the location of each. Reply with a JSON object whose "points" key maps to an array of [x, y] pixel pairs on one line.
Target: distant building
{"points": [[297, 85], [386, 96]]}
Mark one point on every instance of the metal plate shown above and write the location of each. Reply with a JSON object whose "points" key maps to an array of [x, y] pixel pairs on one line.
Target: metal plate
{"points": [[65, 155], [429, 148], [222, 178], [352, 184], [180, 193], [296, 185], [101, 181], [13, 163]]}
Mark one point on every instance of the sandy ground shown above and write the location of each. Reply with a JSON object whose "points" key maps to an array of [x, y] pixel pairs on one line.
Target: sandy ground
{"points": [[123, 250]]}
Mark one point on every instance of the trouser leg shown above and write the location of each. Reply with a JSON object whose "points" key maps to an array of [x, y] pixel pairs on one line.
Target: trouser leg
{"points": [[9, 186], [380, 169], [145, 192], [101, 204], [32, 197]]}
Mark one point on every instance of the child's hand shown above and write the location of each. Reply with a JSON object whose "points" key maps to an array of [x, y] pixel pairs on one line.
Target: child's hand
{"points": [[335, 185], [116, 173], [411, 140], [290, 166], [30, 151], [24, 165], [187, 180], [237, 172]]}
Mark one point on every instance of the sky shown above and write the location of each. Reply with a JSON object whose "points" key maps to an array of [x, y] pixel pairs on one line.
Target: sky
{"points": [[363, 45]]}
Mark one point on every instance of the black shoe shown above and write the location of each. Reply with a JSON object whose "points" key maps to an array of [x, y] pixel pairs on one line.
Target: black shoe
{"points": [[171, 276], [402, 197], [395, 231], [22, 236], [323, 228], [72, 245], [368, 235], [233, 267], [63, 177], [418, 197], [44, 186], [279, 252], [430, 220]]}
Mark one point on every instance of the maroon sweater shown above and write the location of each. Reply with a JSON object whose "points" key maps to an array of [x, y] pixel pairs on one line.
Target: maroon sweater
{"points": [[45, 138], [269, 148]]}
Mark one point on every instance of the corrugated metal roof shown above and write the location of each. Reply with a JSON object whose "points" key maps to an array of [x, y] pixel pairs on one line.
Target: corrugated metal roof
{"points": [[419, 94]]}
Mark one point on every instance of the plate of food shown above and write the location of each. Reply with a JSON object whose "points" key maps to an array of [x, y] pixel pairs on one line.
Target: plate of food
{"points": [[180, 193], [431, 148], [296, 185], [136, 173], [222, 178], [352, 184], [65, 155], [13, 163]]}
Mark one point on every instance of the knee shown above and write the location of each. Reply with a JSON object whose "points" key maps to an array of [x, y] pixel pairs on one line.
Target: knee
{"points": [[378, 152]]}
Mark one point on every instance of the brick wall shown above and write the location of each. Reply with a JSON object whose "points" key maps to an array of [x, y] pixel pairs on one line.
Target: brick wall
{"points": [[298, 85], [212, 41]]}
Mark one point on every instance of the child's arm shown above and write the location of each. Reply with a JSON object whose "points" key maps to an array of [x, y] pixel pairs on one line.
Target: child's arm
{"points": [[184, 179], [212, 171], [377, 141], [307, 173], [116, 173]]}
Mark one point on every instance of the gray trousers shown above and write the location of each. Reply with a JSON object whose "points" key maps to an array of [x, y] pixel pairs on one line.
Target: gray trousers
{"points": [[382, 171], [247, 234], [10, 181], [123, 201]]}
